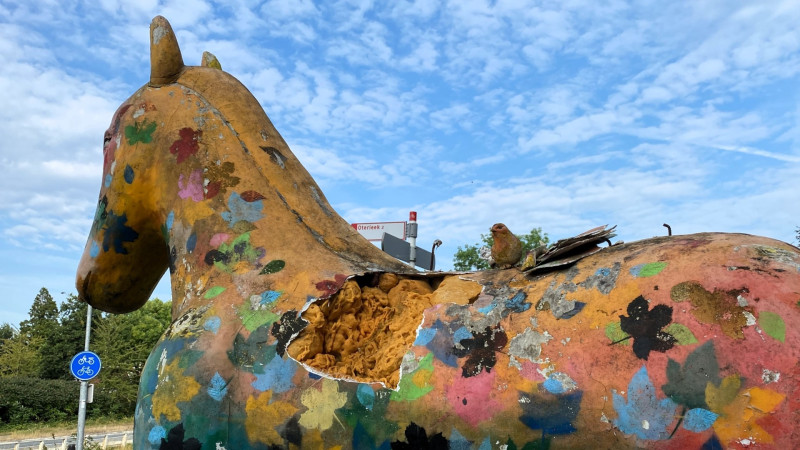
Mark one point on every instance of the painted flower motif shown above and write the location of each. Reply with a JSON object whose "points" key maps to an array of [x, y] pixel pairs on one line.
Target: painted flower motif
{"points": [[322, 404], [644, 325]]}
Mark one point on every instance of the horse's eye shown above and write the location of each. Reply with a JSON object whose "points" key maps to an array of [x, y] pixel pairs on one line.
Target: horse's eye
{"points": [[106, 138]]}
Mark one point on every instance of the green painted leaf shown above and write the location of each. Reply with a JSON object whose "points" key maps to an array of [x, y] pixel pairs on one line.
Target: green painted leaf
{"points": [[214, 291], [140, 132], [683, 334], [274, 266], [615, 333], [654, 268], [773, 325], [407, 389]]}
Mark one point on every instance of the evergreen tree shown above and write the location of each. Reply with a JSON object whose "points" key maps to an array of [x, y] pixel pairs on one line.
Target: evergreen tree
{"points": [[19, 356], [6, 332], [68, 339], [468, 257]]}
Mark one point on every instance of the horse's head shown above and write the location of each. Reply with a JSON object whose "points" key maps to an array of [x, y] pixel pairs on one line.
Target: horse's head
{"points": [[181, 156], [126, 253]]}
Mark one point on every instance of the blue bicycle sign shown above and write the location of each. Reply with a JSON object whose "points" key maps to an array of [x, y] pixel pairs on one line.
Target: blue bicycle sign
{"points": [[85, 366]]}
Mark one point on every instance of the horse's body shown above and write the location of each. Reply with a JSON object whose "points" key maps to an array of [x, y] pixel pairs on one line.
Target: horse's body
{"points": [[675, 342]]}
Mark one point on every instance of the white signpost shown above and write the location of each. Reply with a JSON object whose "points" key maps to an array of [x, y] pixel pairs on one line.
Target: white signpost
{"points": [[373, 231]]}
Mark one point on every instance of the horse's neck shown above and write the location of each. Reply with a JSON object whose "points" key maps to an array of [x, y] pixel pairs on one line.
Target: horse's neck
{"points": [[243, 202]]}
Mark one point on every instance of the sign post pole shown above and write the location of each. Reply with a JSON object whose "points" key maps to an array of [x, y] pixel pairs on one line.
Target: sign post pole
{"points": [[84, 385], [412, 238]]}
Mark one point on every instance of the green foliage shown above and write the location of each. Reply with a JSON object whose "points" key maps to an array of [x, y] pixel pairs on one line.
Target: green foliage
{"points": [[26, 399], [35, 383], [19, 356], [468, 257]]}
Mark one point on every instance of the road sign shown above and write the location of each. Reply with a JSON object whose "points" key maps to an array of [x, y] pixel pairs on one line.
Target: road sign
{"points": [[373, 231], [85, 365], [400, 249]]}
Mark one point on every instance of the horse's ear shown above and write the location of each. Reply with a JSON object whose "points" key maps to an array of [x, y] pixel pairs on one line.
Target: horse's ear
{"points": [[209, 60], [166, 61]]}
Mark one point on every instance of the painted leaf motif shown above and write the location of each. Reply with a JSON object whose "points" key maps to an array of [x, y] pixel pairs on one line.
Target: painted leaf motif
{"points": [[274, 266], [645, 326], [551, 413], [240, 209], [252, 353], [322, 404], [643, 414], [687, 383], [277, 375], [175, 440], [417, 438], [218, 387], [773, 325], [739, 418], [290, 324], [415, 384], [616, 335], [481, 350], [699, 419], [264, 415], [683, 335], [140, 132]]}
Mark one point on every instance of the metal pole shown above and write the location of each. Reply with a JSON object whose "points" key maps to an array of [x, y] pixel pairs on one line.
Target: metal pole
{"points": [[412, 238], [84, 385]]}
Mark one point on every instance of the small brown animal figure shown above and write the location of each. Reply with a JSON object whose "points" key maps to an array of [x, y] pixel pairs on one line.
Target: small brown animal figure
{"points": [[507, 249]]}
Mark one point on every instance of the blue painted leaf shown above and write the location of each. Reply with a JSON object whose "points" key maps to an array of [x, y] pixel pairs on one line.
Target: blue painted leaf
{"points": [[366, 395], [699, 419], [424, 336], [277, 375], [643, 414], [218, 388]]}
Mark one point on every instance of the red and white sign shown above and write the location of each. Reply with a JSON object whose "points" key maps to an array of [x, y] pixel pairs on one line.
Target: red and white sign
{"points": [[373, 231]]}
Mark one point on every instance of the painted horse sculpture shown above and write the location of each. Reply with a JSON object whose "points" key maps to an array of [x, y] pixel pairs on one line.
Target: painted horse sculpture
{"points": [[290, 330]]}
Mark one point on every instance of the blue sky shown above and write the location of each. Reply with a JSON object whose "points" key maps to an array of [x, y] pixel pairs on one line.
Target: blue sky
{"points": [[562, 115]]}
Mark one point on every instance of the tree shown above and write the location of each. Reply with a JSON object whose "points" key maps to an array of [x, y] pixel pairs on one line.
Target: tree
{"points": [[19, 356], [6, 332], [468, 257], [68, 339]]}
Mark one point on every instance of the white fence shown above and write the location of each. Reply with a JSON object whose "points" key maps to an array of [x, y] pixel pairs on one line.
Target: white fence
{"points": [[111, 440]]}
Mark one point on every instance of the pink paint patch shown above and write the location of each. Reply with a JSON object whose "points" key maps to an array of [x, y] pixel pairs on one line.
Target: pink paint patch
{"points": [[218, 239], [471, 398], [530, 372], [194, 188]]}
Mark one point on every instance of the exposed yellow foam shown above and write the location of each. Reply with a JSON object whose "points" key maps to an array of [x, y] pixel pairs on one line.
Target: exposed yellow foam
{"points": [[362, 332]]}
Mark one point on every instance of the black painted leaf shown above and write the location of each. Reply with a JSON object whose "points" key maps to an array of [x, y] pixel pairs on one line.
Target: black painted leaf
{"points": [[686, 385], [481, 349], [417, 439], [175, 440], [290, 324], [644, 326]]}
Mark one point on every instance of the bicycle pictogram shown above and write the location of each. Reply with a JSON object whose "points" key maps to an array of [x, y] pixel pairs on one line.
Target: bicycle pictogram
{"points": [[85, 370]]}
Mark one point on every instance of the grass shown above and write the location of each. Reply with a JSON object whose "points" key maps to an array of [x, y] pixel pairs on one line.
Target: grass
{"points": [[93, 426]]}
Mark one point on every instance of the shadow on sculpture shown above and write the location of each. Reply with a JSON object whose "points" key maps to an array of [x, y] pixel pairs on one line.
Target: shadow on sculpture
{"points": [[291, 330]]}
